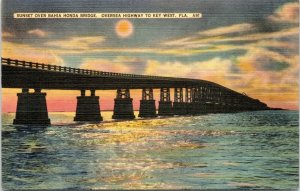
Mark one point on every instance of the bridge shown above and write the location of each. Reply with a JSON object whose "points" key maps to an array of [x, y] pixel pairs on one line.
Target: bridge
{"points": [[191, 96]]}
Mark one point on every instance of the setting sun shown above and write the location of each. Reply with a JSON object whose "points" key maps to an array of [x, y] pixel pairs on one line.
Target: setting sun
{"points": [[124, 28]]}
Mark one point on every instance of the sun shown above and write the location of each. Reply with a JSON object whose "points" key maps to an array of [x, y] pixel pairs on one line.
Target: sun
{"points": [[124, 28]]}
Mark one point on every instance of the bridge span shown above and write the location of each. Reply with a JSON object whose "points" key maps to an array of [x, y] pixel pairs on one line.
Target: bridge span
{"points": [[191, 96]]}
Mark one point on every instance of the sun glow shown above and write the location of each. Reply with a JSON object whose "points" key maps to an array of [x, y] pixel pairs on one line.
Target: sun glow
{"points": [[124, 28]]}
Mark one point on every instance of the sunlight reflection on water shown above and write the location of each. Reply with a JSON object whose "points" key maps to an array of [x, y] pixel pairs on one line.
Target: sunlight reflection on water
{"points": [[244, 150]]}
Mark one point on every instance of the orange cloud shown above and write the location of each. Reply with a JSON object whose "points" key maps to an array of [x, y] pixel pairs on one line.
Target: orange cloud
{"points": [[269, 76], [263, 60], [30, 53], [214, 70], [7, 35], [288, 13], [107, 65]]}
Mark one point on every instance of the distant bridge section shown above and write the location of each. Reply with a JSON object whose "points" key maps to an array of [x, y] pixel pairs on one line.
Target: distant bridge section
{"points": [[191, 96]]}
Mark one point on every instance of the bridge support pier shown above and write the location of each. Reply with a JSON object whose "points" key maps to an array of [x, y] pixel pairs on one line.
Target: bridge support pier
{"points": [[198, 104], [226, 108], [189, 107], [32, 108], [88, 108], [123, 108], [165, 104], [210, 107], [188, 100], [147, 104], [218, 108], [179, 107], [198, 108]]}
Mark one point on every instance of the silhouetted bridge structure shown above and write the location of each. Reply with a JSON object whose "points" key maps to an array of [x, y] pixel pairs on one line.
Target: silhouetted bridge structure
{"points": [[191, 96]]}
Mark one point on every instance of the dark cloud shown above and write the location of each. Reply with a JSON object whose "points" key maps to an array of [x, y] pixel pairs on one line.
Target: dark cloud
{"points": [[234, 69], [237, 42], [283, 51], [268, 64], [264, 25]]}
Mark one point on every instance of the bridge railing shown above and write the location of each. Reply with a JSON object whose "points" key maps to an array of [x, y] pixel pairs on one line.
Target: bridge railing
{"points": [[49, 67]]}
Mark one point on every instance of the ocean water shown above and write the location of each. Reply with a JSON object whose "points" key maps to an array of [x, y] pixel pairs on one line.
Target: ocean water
{"points": [[248, 150]]}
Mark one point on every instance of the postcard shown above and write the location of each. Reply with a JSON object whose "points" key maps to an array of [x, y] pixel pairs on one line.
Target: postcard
{"points": [[150, 95]]}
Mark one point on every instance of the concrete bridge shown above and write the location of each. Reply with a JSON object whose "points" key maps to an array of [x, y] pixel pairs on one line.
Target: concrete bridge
{"points": [[191, 96]]}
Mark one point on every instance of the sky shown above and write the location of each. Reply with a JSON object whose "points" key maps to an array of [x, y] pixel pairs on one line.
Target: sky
{"points": [[248, 46]]}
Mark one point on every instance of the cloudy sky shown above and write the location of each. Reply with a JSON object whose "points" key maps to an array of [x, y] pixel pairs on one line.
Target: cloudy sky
{"points": [[249, 46]]}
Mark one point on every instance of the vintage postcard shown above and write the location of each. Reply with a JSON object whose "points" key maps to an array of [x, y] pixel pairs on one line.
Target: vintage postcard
{"points": [[150, 94]]}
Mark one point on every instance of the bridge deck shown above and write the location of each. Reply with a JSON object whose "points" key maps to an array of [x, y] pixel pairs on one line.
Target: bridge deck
{"points": [[18, 74], [79, 71]]}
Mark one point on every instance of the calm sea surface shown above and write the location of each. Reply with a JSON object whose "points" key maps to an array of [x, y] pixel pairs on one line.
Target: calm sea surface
{"points": [[246, 150]]}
